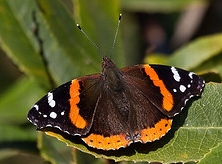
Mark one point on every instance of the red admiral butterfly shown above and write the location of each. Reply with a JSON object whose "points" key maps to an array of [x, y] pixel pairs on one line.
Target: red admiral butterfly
{"points": [[119, 106]]}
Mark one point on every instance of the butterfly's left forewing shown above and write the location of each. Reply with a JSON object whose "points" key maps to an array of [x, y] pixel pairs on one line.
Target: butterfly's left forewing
{"points": [[68, 108]]}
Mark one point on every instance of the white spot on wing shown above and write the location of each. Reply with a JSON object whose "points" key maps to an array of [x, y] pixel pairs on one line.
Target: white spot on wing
{"points": [[191, 75], [176, 75], [51, 102], [53, 115], [182, 88], [36, 107], [48, 125]]}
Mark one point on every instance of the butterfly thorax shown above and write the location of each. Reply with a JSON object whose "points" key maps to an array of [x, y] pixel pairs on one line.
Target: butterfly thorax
{"points": [[111, 76], [116, 89]]}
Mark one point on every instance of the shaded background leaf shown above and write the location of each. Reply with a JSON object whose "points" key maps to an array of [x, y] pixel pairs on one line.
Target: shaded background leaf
{"points": [[19, 43]]}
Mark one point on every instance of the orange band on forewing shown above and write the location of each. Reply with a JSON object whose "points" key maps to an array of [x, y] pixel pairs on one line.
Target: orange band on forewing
{"points": [[167, 96], [156, 132], [74, 115], [106, 143]]}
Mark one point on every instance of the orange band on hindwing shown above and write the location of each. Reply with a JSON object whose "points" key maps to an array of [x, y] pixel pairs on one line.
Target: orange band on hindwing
{"points": [[156, 132], [167, 96], [74, 115], [113, 142]]}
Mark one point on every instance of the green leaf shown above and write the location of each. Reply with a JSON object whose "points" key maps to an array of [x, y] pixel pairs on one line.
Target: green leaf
{"points": [[214, 65], [203, 54], [17, 40], [14, 105], [57, 152], [63, 40], [51, 153], [156, 58], [22, 134], [7, 153], [16, 101], [197, 52], [214, 156]]}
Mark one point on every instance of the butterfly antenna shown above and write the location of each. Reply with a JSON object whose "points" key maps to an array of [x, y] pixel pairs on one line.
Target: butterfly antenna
{"points": [[89, 39], [115, 37]]}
